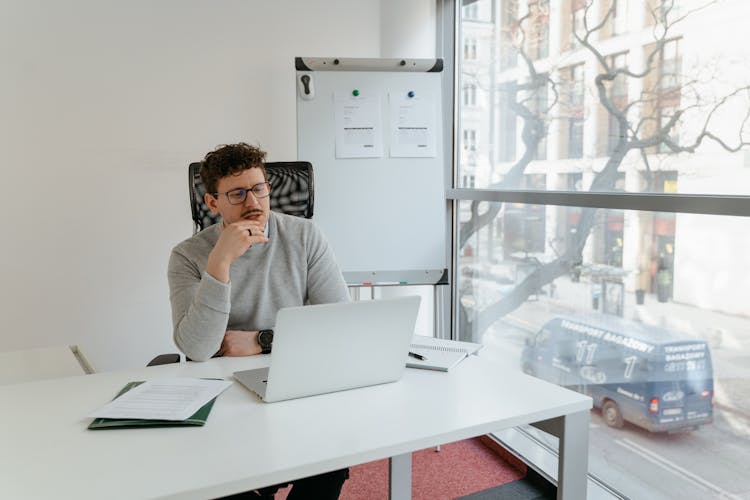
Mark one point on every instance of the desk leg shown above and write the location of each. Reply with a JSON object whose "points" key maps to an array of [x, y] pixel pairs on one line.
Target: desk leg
{"points": [[573, 464], [400, 477], [573, 453]]}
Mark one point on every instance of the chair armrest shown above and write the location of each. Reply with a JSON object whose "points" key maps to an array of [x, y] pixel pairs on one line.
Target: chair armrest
{"points": [[164, 359]]}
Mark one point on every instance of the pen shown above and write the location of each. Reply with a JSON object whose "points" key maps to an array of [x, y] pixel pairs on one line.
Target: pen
{"points": [[418, 356]]}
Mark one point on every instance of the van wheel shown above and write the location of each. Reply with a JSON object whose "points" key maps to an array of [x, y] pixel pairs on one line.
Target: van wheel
{"points": [[612, 414]]}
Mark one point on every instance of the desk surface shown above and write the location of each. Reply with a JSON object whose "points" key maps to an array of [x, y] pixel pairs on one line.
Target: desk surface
{"points": [[48, 453]]}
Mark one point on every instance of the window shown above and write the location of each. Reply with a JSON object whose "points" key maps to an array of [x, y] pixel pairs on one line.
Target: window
{"points": [[574, 96], [470, 140], [577, 13], [509, 28], [524, 227], [470, 49], [537, 104], [679, 267], [507, 122], [608, 234], [470, 95], [619, 17], [618, 96], [669, 10], [669, 90], [670, 65], [537, 29], [567, 218], [471, 12]]}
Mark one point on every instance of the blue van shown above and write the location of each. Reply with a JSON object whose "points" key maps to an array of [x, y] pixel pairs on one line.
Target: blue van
{"points": [[634, 372]]}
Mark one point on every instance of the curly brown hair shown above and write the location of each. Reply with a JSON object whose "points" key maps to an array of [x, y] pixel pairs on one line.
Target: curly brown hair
{"points": [[230, 159]]}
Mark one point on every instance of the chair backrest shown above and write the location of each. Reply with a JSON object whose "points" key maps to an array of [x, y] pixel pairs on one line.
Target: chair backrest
{"points": [[291, 191]]}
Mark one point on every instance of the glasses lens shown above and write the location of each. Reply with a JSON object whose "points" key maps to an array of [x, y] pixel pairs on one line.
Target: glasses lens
{"points": [[237, 196], [261, 190]]}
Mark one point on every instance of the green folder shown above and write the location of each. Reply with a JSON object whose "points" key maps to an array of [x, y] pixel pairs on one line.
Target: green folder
{"points": [[198, 418]]}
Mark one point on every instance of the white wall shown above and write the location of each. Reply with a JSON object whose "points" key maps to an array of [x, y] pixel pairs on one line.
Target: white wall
{"points": [[102, 106], [408, 28]]}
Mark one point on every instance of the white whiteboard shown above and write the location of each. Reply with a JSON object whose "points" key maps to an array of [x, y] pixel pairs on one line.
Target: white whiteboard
{"points": [[385, 216]]}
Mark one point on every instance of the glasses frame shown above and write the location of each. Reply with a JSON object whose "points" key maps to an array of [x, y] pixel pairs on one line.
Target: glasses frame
{"points": [[246, 190]]}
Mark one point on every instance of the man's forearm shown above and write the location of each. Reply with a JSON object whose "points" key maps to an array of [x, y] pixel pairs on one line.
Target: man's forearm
{"points": [[200, 316], [200, 333]]}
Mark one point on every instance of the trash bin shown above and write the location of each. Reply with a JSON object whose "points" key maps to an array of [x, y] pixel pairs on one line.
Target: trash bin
{"points": [[640, 296]]}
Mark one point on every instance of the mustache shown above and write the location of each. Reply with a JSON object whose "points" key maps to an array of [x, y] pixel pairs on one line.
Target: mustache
{"points": [[252, 211]]}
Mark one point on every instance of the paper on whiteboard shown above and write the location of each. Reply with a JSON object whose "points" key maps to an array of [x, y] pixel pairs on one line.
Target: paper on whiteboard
{"points": [[412, 125], [359, 126], [163, 399]]}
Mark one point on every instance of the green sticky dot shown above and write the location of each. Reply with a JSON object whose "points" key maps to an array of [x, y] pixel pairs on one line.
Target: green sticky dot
{"points": [[355, 92]]}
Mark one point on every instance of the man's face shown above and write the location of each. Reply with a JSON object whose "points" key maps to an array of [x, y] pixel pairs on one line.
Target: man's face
{"points": [[252, 208]]}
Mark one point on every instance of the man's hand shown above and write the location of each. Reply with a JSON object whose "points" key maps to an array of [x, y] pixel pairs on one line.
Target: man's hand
{"points": [[234, 240], [240, 343]]}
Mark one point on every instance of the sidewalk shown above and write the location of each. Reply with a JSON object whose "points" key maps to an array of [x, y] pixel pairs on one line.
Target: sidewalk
{"points": [[728, 335]]}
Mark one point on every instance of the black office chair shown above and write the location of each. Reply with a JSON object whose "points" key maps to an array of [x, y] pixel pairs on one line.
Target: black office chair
{"points": [[292, 192]]}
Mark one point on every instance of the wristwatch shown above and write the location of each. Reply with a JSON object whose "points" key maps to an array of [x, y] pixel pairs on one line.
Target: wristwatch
{"points": [[265, 339]]}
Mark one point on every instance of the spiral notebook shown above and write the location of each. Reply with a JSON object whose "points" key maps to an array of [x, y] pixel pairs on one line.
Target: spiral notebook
{"points": [[439, 354]]}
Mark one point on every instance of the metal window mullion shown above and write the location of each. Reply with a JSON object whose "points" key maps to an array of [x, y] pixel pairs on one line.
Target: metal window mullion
{"points": [[678, 203], [448, 32]]}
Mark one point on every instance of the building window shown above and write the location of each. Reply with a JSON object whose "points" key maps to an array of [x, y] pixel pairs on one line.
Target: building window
{"points": [[508, 32], [670, 65], [468, 181], [470, 49], [471, 12], [577, 13], [538, 102], [609, 232], [470, 95], [537, 29], [668, 94], [525, 224], [507, 123], [619, 17], [669, 11], [470, 139], [574, 97], [568, 217], [618, 95]]}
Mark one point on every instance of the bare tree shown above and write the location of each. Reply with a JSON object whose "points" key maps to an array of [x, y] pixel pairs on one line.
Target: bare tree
{"points": [[518, 97], [658, 112]]}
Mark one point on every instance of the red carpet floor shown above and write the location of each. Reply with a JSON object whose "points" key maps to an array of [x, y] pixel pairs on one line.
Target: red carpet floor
{"points": [[458, 469]]}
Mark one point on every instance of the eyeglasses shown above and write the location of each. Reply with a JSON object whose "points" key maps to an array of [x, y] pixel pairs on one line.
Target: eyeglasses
{"points": [[237, 196]]}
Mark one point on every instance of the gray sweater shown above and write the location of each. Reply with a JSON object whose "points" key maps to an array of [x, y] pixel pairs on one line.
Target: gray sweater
{"points": [[295, 267]]}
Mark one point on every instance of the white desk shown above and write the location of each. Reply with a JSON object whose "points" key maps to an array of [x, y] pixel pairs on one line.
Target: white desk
{"points": [[47, 452]]}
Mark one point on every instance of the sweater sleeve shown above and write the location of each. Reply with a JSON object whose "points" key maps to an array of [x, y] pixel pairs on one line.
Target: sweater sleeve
{"points": [[200, 308], [325, 283]]}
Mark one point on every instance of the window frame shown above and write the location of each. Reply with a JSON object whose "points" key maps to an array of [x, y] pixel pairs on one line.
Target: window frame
{"points": [[518, 441]]}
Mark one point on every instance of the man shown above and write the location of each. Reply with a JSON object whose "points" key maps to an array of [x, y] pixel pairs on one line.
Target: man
{"points": [[228, 281]]}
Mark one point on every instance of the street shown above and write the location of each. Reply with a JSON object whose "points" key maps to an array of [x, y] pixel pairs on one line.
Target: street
{"points": [[708, 463]]}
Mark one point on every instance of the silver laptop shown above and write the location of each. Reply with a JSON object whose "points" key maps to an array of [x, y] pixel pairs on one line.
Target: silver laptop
{"points": [[334, 347]]}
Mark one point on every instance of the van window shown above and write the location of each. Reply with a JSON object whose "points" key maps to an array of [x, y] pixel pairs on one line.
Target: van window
{"points": [[542, 338]]}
